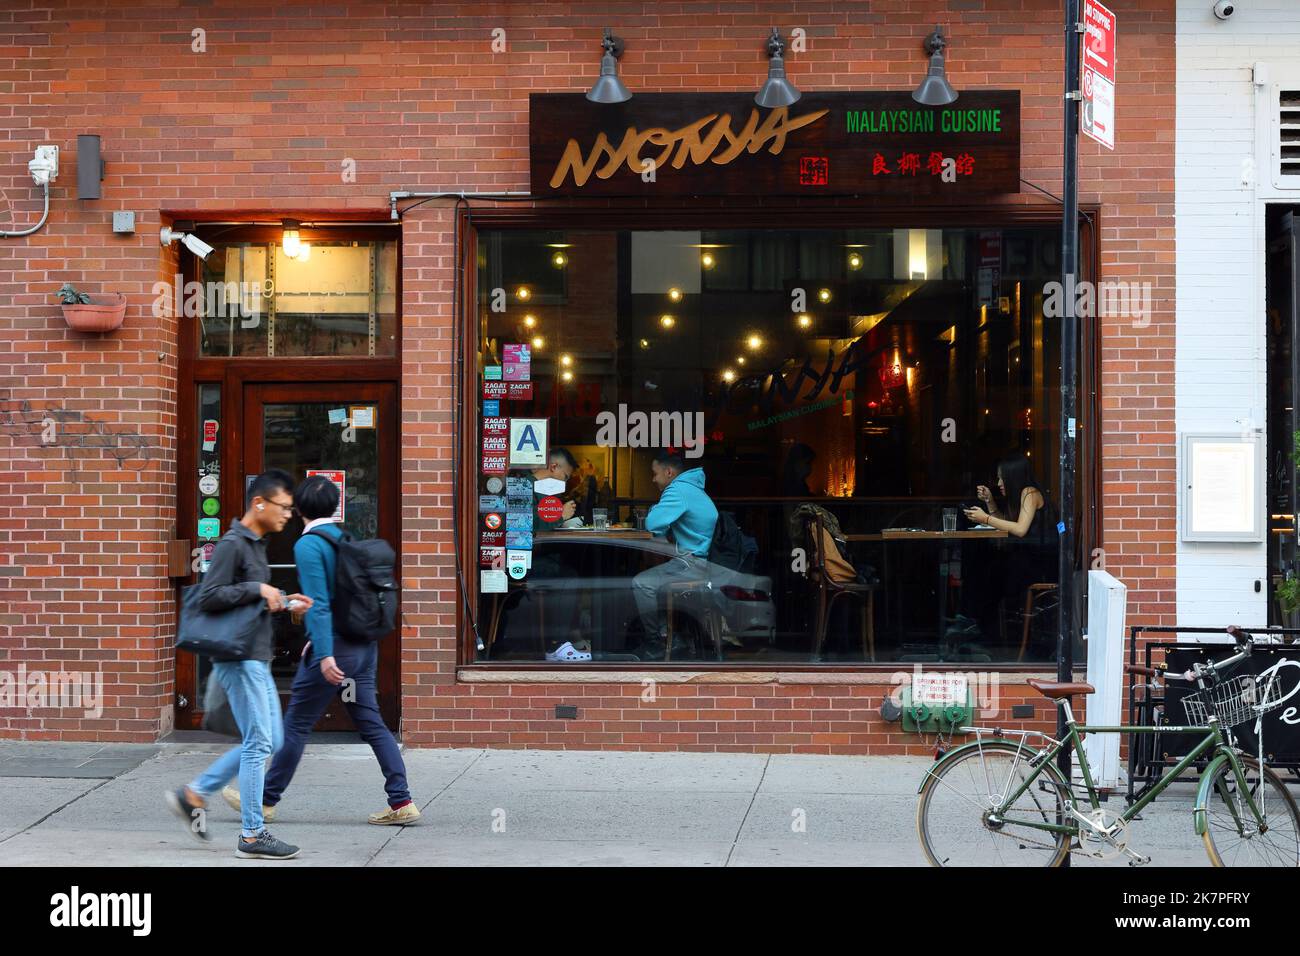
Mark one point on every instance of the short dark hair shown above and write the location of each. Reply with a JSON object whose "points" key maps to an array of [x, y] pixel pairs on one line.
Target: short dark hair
{"points": [[317, 497], [670, 459], [267, 484], [564, 455]]}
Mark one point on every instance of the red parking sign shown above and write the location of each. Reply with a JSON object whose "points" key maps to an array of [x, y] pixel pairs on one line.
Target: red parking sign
{"points": [[1097, 116]]}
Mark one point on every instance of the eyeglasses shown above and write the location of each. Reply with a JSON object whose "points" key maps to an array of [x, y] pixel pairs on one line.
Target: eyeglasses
{"points": [[288, 509]]}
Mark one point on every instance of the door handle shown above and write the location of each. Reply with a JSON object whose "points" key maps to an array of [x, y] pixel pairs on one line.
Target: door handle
{"points": [[282, 565]]}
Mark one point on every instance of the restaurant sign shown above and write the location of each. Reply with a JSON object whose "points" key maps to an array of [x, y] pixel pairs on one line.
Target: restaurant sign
{"points": [[696, 144]]}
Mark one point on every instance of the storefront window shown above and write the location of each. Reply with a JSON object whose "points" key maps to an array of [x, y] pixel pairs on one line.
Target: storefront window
{"points": [[331, 299], [836, 396]]}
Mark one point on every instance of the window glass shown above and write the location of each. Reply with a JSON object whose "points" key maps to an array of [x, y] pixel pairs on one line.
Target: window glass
{"points": [[837, 396], [332, 298]]}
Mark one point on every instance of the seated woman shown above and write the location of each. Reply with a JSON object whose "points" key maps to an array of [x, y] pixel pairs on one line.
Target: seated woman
{"points": [[1029, 518]]}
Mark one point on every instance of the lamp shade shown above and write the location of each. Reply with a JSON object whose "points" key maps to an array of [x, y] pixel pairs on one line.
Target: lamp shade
{"points": [[777, 91], [608, 88], [935, 90]]}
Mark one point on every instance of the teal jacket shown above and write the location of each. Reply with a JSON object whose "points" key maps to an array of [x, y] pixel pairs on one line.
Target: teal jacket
{"points": [[687, 511], [317, 560]]}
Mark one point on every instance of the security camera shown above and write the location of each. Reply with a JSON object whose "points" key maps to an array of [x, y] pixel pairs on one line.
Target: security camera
{"points": [[1224, 9], [196, 245], [193, 243], [44, 167]]}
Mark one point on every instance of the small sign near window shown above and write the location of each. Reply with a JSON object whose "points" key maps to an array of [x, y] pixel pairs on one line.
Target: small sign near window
{"points": [[1222, 476]]}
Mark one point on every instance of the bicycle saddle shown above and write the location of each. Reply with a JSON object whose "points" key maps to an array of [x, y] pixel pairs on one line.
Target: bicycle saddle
{"points": [[1058, 689]]}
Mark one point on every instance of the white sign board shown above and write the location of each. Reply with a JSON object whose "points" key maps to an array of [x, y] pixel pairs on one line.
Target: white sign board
{"points": [[1223, 487], [527, 442], [939, 689]]}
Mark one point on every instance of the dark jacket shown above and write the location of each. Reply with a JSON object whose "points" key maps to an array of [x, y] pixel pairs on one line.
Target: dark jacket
{"points": [[239, 569]]}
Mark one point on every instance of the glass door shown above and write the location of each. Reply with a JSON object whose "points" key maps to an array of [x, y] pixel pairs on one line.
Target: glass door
{"points": [[348, 432]]}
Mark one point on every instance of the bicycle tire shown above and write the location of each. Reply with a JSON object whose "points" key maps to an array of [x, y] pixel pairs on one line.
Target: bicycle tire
{"points": [[1275, 847], [937, 856]]}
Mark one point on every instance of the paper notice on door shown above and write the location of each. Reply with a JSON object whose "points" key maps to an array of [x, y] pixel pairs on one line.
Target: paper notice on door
{"points": [[338, 416], [493, 582], [363, 416], [339, 478], [210, 426]]}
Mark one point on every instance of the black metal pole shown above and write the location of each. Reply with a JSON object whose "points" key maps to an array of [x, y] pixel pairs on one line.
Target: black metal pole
{"points": [[1069, 361]]}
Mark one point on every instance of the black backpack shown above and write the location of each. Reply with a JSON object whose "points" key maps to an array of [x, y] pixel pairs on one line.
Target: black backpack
{"points": [[364, 603], [728, 547]]}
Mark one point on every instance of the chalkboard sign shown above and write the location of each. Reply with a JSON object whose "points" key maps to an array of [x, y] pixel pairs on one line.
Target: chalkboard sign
{"points": [[1281, 726], [696, 144]]}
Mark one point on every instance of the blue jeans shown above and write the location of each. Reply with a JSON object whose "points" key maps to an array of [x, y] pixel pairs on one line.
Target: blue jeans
{"points": [[312, 693], [256, 706]]}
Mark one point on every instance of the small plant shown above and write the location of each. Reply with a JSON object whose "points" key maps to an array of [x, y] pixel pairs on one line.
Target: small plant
{"points": [[1288, 595], [70, 296]]}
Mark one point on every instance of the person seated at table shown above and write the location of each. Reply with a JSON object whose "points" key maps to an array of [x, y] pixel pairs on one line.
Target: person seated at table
{"points": [[1030, 520], [687, 516], [560, 464]]}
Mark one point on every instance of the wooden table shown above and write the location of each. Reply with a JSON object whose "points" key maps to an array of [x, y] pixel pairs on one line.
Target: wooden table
{"points": [[611, 534]]}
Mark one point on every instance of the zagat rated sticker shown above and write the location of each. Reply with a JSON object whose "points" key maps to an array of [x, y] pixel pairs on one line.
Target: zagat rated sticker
{"points": [[494, 464], [496, 426]]}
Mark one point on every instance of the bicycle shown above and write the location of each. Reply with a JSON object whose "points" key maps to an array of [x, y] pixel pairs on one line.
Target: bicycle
{"points": [[999, 790]]}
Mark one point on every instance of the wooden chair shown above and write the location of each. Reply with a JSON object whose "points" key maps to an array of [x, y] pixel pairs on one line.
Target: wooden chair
{"points": [[709, 617], [1032, 594], [829, 591]]}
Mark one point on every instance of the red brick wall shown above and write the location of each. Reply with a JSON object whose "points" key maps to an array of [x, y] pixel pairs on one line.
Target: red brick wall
{"points": [[263, 120]]}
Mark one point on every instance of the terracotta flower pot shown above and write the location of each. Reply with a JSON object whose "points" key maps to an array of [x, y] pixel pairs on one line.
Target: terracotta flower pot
{"points": [[96, 317]]}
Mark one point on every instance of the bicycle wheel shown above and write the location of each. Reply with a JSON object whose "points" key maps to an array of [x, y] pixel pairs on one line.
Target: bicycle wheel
{"points": [[955, 820], [1233, 838]]}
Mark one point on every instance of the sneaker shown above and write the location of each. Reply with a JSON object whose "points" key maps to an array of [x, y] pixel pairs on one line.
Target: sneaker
{"points": [[231, 796], [265, 847], [194, 815], [399, 817]]}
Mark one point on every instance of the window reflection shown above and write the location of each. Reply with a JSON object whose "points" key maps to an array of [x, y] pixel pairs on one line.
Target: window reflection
{"points": [[339, 299], [850, 386]]}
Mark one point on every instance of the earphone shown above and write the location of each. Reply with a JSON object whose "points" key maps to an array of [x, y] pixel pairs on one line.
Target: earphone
{"points": [[260, 507]]}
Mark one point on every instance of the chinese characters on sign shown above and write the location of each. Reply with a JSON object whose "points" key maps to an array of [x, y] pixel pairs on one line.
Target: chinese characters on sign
{"points": [[936, 164]]}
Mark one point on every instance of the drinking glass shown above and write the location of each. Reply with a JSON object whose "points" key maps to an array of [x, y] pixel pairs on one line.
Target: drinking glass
{"points": [[949, 519]]}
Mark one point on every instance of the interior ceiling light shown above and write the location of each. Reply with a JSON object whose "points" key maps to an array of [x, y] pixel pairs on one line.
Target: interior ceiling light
{"points": [[935, 89], [777, 91], [608, 88]]}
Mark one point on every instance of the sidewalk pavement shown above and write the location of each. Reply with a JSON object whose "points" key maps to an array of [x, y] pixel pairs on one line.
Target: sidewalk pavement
{"points": [[70, 804]]}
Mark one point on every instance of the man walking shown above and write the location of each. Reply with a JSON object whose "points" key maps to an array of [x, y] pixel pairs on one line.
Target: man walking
{"points": [[238, 575], [689, 516], [328, 661]]}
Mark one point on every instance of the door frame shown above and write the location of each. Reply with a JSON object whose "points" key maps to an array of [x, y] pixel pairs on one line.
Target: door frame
{"points": [[232, 374]]}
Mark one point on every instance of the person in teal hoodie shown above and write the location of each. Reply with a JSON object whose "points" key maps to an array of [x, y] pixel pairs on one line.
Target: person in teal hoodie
{"points": [[687, 516]]}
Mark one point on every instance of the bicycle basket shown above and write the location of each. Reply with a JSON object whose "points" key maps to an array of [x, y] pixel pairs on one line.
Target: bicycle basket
{"points": [[1234, 702]]}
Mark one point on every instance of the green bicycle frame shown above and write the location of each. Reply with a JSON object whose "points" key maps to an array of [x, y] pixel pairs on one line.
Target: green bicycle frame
{"points": [[1213, 739]]}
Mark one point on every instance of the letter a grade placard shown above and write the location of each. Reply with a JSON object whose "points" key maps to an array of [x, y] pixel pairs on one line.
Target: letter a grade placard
{"points": [[527, 442]]}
